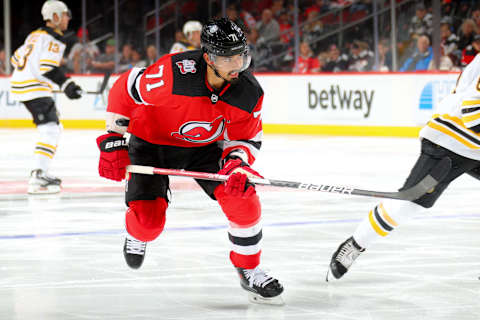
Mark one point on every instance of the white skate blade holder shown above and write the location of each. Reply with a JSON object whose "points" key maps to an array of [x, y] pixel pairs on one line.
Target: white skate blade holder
{"points": [[37, 189], [256, 298]]}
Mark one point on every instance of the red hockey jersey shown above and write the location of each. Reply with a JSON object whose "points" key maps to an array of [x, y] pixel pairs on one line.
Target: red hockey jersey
{"points": [[171, 103]]}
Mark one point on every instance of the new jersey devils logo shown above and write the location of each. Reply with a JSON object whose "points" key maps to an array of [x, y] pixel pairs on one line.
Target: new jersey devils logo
{"points": [[201, 131], [186, 66]]}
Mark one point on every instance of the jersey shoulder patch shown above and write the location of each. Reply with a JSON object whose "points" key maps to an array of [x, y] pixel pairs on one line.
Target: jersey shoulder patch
{"points": [[188, 72], [245, 94]]}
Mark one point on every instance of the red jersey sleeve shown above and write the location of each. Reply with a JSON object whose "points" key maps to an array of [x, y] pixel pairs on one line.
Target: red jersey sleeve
{"points": [[243, 138]]}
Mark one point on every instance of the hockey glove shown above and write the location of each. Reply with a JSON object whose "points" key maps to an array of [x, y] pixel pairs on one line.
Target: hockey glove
{"points": [[237, 184], [72, 90], [113, 156]]}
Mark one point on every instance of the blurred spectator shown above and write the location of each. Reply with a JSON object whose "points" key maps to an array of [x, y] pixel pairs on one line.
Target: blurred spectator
{"points": [[277, 8], [268, 28], [312, 29], [105, 62], [286, 32], [467, 31], [361, 58], [319, 6], [137, 58], [421, 23], [471, 51], [191, 30], [3, 69], [449, 42], [306, 63], [476, 17], [260, 52], [125, 62], [384, 56], [420, 59], [336, 61], [152, 54], [248, 20], [82, 52], [233, 14]]}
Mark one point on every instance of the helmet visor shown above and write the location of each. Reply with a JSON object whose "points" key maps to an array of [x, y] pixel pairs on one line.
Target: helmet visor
{"points": [[236, 63]]}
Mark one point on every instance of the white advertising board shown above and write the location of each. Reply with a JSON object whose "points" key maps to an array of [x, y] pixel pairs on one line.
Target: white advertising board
{"points": [[393, 99]]}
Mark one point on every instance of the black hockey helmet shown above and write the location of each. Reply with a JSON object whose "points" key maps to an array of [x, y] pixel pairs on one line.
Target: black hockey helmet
{"points": [[222, 37]]}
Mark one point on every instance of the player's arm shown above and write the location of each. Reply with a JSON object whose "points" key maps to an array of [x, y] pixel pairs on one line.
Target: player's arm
{"points": [[244, 141], [49, 65], [113, 145]]}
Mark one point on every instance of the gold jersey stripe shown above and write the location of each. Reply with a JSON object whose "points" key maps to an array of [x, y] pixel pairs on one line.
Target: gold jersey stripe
{"points": [[57, 63], [452, 134], [386, 216], [473, 117], [47, 145], [31, 90], [375, 225], [459, 123], [470, 102], [44, 154]]}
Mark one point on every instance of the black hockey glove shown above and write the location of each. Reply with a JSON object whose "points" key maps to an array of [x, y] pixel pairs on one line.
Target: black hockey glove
{"points": [[72, 90]]}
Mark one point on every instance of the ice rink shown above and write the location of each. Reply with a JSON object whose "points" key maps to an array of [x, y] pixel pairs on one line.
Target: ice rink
{"points": [[61, 256]]}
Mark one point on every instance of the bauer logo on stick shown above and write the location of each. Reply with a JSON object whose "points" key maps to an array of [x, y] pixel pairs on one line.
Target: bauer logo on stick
{"points": [[326, 188]]}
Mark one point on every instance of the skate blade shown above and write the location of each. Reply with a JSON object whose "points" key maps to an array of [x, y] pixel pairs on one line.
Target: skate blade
{"points": [[330, 277], [256, 298], [43, 190]]}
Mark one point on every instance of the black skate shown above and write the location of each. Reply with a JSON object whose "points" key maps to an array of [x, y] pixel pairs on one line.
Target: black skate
{"points": [[343, 259], [134, 252], [261, 287], [42, 183]]}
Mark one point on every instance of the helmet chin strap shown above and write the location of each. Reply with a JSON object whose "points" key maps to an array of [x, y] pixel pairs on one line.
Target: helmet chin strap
{"points": [[217, 73]]}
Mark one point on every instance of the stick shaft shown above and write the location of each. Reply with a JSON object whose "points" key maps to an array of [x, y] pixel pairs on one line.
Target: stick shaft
{"points": [[415, 192]]}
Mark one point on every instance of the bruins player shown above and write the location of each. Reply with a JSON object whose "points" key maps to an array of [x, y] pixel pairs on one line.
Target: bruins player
{"points": [[454, 133], [36, 70], [195, 110], [191, 30]]}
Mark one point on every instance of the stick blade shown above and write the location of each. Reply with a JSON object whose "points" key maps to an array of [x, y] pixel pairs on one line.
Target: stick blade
{"points": [[427, 184]]}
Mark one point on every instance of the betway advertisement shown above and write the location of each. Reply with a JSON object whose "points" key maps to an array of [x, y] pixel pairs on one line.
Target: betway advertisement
{"points": [[354, 99], [393, 99]]}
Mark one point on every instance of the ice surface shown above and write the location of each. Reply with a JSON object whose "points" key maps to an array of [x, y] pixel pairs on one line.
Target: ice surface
{"points": [[61, 256]]}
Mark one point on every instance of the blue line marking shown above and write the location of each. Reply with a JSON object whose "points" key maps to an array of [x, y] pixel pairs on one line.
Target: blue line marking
{"points": [[218, 227]]}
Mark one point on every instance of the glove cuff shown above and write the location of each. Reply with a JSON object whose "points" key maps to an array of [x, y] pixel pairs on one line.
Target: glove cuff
{"points": [[65, 84]]}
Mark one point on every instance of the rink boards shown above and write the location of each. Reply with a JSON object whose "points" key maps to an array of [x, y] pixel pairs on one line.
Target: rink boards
{"points": [[358, 104]]}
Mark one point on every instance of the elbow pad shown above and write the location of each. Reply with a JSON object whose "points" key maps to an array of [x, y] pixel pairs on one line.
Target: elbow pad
{"points": [[57, 75]]}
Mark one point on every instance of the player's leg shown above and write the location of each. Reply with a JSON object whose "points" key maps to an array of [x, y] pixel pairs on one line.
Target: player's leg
{"points": [[389, 214], [45, 117], [147, 200], [244, 231]]}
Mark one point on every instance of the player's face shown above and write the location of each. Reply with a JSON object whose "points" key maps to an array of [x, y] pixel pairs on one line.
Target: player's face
{"points": [[63, 25], [231, 66]]}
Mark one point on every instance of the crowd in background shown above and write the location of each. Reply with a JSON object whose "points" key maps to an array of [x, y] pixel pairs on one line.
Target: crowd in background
{"points": [[269, 28]]}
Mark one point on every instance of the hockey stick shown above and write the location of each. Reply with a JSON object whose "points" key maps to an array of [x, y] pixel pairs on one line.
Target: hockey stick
{"points": [[425, 185], [103, 85]]}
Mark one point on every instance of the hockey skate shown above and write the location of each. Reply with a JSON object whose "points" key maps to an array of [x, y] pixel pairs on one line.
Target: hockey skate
{"points": [[343, 259], [261, 287], [134, 252], [42, 183]]}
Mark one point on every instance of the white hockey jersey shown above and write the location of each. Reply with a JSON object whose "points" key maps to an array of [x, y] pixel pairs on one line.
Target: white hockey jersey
{"points": [[42, 51], [457, 125]]}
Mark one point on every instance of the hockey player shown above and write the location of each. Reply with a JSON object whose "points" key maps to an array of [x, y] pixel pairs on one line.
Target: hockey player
{"points": [[37, 69], [196, 110], [191, 30], [455, 134]]}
